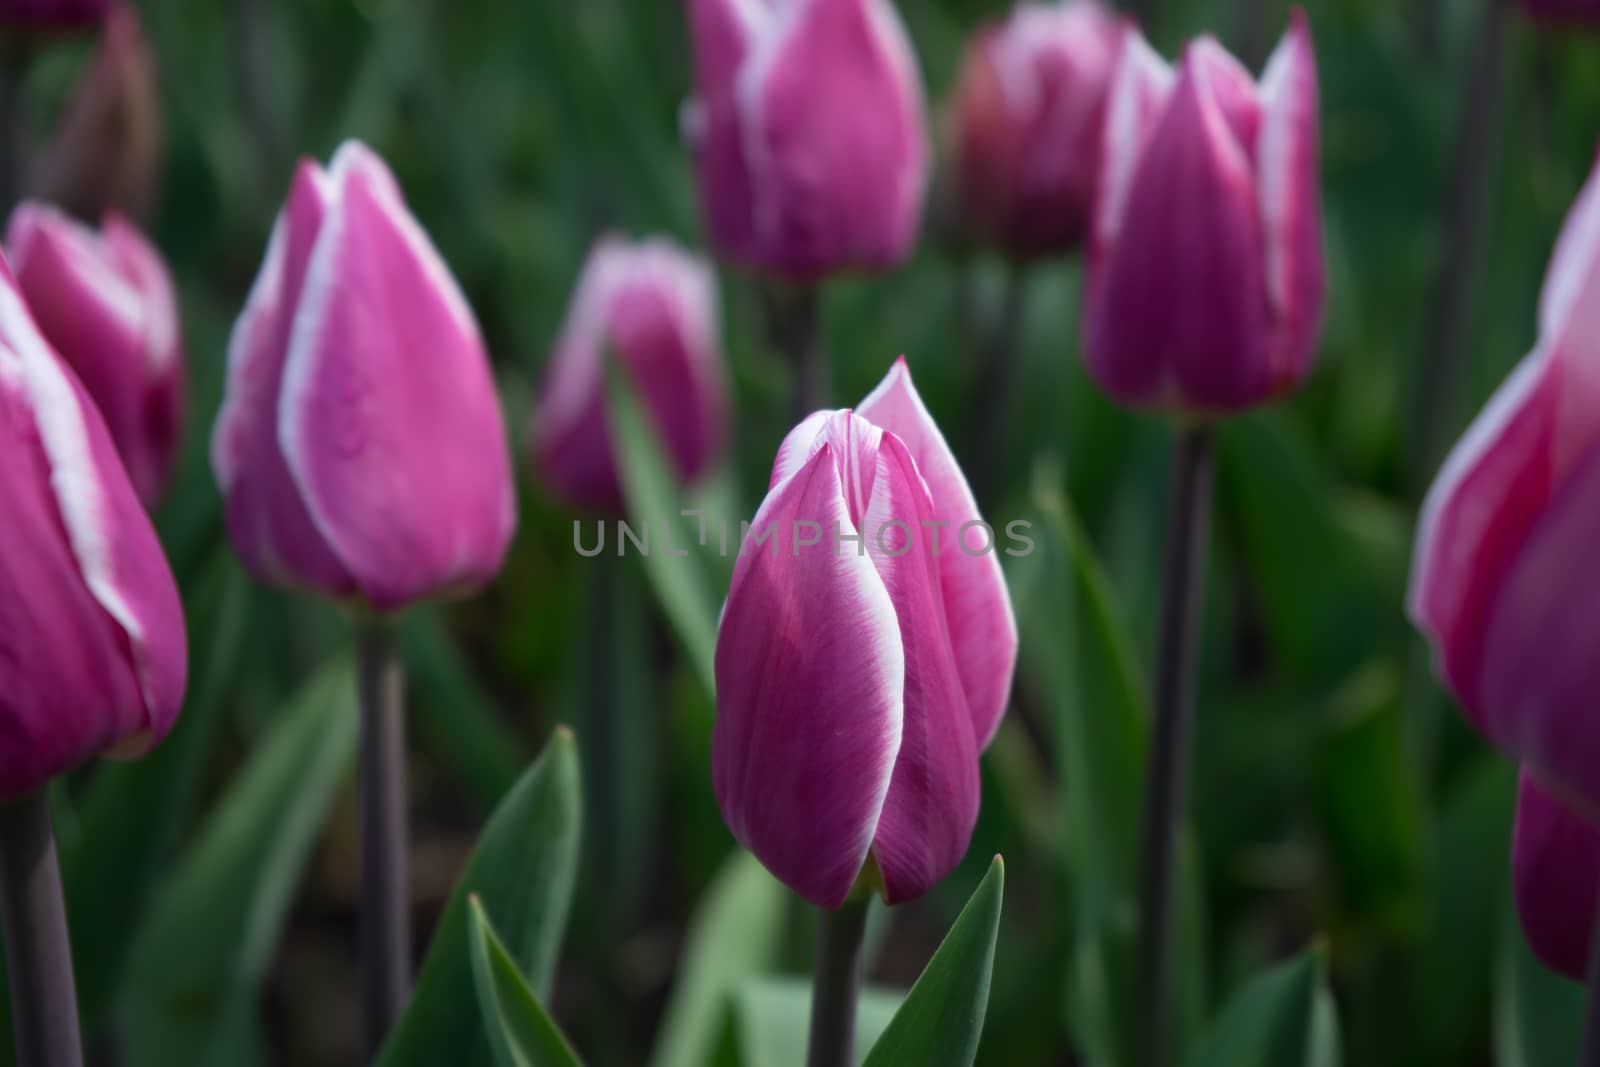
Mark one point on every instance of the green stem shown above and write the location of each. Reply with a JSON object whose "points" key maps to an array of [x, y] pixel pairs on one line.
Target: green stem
{"points": [[44, 1001], [385, 918], [836, 984], [1167, 781]]}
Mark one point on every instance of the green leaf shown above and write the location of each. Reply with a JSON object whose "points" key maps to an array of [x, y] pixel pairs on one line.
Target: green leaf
{"points": [[520, 1031], [941, 1020], [737, 932], [133, 815], [772, 1021], [1281, 1018], [689, 576], [194, 976], [1538, 1014], [523, 869]]}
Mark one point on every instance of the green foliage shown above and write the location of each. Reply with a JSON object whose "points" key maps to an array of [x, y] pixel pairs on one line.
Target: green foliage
{"points": [[520, 1031], [1282, 1018], [523, 870]]}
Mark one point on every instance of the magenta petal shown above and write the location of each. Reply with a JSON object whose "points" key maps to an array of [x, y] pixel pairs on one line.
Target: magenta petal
{"points": [[722, 33], [1555, 868], [388, 420], [832, 114], [1288, 170], [932, 804], [983, 628], [93, 654], [810, 676], [1140, 85], [267, 521], [1190, 243], [1540, 665]]}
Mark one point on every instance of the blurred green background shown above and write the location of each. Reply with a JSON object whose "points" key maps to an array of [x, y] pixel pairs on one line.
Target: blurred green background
{"points": [[1337, 799]]}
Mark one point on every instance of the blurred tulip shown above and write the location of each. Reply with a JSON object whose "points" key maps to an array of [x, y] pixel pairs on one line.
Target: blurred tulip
{"points": [[93, 655], [360, 445], [1206, 279], [1505, 543], [1564, 10], [105, 302], [56, 14], [654, 307], [808, 133], [1555, 869], [1026, 123], [864, 656], [106, 152]]}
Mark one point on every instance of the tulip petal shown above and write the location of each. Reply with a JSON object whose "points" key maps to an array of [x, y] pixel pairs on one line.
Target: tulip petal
{"points": [[267, 521], [723, 33], [1190, 244], [117, 654], [836, 184], [983, 628], [810, 676], [1140, 86], [1540, 666], [1288, 170], [932, 803], [388, 420], [799, 445], [1555, 867]]}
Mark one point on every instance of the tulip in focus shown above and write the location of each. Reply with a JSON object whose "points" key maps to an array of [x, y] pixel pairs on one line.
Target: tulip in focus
{"points": [[106, 153], [858, 680], [1206, 281], [1555, 869], [1026, 125], [106, 303], [53, 14], [360, 445], [808, 132], [1503, 579], [653, 307], [93, 655]]}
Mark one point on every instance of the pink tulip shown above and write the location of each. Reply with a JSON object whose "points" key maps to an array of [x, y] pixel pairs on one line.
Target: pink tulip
{"points": [[1506, 538], [858, 680], [654, 307], [1206, 279], [808, 133], [360, 444], [53, 14], [105, 302], [106, 151], [1026, 124], [93, 656], [1555, 868]]}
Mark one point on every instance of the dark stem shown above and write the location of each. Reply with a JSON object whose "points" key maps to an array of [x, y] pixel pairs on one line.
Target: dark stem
{"points": [[1473, 168], [253, 80], [1255, 32], [795, 320], [1591, 1008], [1167, 784], [994, 383], [836, 984], [1146, 12], [385, 920], [44, 1002]]}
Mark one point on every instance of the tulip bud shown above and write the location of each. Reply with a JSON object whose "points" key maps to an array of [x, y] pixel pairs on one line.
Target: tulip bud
{"points": [[360, 444], [106, 152], [864, 656], [1555, 872], [1026, 124], [93, 656], [654, 307], [1206, 278], [808, 133], [1505, 541], [105, 302], [53, 14]]}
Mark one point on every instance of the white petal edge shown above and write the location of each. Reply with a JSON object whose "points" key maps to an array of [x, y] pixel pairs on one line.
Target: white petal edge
{"points": [[1275, 160], [1140, 74], [266, 295], [74, 477]]}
